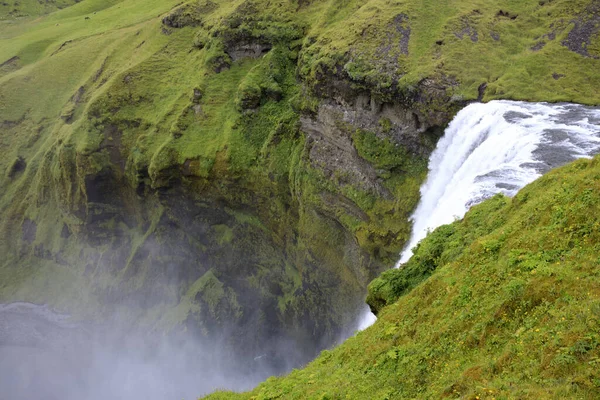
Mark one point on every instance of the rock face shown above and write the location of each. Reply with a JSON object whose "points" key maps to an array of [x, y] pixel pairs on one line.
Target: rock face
{"points": [[240, 51], [330, 134], [245, 176], [586, 28]]}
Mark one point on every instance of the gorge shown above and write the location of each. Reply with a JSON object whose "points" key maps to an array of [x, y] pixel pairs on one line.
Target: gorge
{"points": [[215, 182]]}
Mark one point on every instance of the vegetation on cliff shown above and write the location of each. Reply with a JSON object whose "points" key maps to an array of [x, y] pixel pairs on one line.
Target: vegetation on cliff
{"points": [[508, 307], [250, 164]]}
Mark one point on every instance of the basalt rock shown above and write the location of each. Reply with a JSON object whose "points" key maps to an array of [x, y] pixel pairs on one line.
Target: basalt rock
{"points": [[586, 28]]}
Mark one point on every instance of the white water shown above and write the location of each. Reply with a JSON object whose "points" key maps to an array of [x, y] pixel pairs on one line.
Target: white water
{"points": [[497, 147]]}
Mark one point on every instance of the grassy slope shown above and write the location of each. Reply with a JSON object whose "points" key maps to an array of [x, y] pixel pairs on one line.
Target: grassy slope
{"points": [[32, 99], [440, 43], [512, 311], [11, 9]]}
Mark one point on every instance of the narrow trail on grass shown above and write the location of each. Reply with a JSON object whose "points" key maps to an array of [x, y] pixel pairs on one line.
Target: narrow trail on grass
{"points": [[497, 147]]}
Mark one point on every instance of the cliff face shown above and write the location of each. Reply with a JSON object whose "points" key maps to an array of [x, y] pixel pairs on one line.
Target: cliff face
{"points": [[245, 166]]}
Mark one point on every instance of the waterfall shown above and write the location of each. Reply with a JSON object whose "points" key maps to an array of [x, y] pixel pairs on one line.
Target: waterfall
{"points": [[497, 147]]}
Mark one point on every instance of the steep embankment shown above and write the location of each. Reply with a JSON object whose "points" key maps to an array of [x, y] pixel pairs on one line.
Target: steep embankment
{"points": [[246, 166], [502, 304]]}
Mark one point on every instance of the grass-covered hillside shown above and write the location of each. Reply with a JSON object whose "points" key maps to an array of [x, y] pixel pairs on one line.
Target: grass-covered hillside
{"points": [[508, 307], [16, 9], [248, 165]]}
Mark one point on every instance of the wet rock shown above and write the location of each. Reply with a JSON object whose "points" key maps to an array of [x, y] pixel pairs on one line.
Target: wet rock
{"points": [[481, 91], [467, 29], [331, 143], [586, 29], [17, 167], [332, 151], [40, 252], [187, 15]]}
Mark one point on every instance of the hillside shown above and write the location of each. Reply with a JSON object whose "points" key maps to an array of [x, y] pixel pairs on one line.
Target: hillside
{"points": [[246, 166], [502, 304]]}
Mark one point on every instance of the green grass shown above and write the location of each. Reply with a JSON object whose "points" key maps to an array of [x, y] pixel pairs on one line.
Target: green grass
{"points": [[508, 65], [13, 9], [507, 305]]}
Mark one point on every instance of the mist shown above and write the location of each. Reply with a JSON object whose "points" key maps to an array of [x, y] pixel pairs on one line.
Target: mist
{"points": [[151, 334], [44, 355]]}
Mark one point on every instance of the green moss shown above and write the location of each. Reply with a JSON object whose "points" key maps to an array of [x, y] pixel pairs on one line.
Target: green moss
{"points": [[382, 153], [224, 234]]}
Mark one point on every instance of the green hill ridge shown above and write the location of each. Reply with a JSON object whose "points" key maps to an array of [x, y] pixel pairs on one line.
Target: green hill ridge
{"points": [[508, 306]]}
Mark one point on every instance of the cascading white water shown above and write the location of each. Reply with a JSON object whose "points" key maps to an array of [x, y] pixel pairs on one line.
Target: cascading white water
{"points": [[497, 147]]}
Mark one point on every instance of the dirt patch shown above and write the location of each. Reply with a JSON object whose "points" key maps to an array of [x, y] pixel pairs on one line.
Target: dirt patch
{"points": [[76, 98], [10, 65], [100, 71], [62, 46]]}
